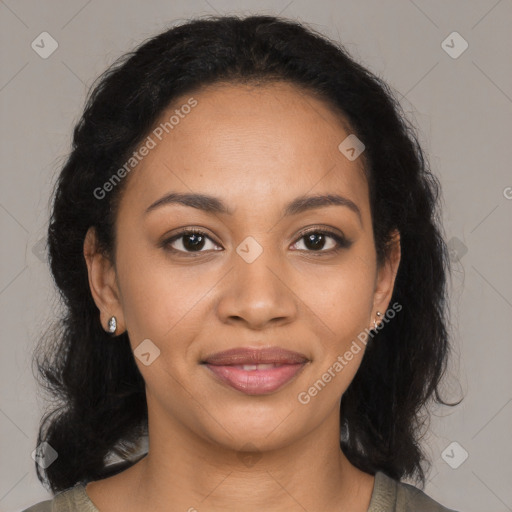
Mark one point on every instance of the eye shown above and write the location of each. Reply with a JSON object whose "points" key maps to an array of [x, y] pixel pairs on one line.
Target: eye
{"points": [[315, 240], [188, 241]]}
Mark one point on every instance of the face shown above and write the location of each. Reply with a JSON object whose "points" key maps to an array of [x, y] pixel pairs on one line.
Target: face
{"points": [[257, 273]]}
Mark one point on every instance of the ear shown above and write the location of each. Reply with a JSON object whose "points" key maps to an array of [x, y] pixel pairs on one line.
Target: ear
{"points": [[102, 282], [385, 279]]}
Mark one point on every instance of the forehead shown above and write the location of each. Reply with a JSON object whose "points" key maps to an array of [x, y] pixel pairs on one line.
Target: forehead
{"points": [[258, 143]]}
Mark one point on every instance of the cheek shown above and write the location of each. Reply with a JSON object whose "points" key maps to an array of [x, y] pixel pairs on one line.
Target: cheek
{"points": [[341, 297], [342, 309], [161, 301], [341, 303]]}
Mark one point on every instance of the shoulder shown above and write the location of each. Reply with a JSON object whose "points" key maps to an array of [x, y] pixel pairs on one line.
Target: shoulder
{"points": [[412, 498], [390, 495], [74, 499], [42, 506]]}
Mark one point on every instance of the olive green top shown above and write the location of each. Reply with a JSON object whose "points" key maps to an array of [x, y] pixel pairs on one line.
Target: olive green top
{"points": [[388, 496]]}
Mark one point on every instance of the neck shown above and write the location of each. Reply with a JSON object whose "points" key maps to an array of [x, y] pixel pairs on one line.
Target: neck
{"points": [[184, 471]]}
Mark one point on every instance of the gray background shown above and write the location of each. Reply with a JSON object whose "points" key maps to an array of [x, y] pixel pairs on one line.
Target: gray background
{"points": [[462, 107]]}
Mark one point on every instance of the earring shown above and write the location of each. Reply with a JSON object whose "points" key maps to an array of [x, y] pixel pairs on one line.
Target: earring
{"points": [[112, 325], [375, 326]]}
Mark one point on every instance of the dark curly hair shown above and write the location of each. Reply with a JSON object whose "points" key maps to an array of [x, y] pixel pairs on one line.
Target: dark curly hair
{"points": [[101, 405]]}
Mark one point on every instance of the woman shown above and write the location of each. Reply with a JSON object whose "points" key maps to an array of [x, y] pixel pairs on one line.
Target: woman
{"points": [[246, 238]]}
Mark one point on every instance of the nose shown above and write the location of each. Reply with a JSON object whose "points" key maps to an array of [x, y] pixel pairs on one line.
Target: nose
{"points": [[257, 294]]}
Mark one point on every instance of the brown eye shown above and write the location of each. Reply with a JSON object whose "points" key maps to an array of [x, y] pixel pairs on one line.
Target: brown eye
{"points": [[188, 241], [316, 240]]}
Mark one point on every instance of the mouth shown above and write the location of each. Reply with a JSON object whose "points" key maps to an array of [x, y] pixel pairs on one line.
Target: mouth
{"points": [[255, 371]]}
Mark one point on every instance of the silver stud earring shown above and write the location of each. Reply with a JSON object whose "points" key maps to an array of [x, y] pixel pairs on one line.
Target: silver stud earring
{"points": [[375, 326], [112, 325]]}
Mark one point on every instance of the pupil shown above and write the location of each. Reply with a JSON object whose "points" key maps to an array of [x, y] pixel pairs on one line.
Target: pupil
{"points": [[311, 238], [199, 242]]}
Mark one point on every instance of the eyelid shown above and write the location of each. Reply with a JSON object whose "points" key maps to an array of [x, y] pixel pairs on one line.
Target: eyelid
{"points": [[339, 237], [321, 229], [167, 241]]}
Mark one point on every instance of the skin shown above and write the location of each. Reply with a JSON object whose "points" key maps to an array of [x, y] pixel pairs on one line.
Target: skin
{"points": [[256, 148]]}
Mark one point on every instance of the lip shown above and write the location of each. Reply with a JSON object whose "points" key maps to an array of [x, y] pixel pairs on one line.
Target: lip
{"points": [[248, 355], [228, 367]]}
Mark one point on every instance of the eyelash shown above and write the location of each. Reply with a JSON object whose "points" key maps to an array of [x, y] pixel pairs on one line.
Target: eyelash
{"points": [[342, 242]]}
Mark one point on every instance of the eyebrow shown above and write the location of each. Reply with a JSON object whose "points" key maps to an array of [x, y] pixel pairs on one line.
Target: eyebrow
{"points": [[211, 204]]}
